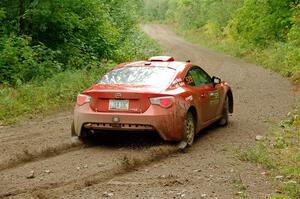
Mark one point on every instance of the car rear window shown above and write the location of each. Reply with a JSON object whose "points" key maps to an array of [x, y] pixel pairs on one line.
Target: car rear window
{"points": [[140, 75]]}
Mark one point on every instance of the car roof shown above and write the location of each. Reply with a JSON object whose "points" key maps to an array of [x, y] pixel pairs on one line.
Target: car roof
{"points": [[159, 61]]}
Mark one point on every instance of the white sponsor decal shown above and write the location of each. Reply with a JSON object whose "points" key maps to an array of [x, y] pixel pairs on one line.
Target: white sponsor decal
{"points": [[189, 98], [178, 82]]}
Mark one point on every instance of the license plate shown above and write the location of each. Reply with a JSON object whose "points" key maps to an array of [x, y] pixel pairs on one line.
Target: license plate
{"points": [[118, 104]]}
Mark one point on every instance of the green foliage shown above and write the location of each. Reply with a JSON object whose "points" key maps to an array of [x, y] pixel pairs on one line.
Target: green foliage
{"points": [[292, 58], [2, 14], [137, 46], [79, 26], [42, 38], [260, 21], [155, 10], [20, 62], [2, 17], [56, 92], [191, 13], [52, 49], [258, 154]]}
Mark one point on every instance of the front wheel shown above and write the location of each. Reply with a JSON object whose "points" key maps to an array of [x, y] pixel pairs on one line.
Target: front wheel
{"points": [[225, 113], [189, 129]]}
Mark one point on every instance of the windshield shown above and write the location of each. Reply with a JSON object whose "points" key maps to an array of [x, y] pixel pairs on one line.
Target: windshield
{"points": [[140, 75]]}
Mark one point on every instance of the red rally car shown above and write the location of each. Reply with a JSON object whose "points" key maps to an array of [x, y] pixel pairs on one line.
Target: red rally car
{"points": [[176, 99]]}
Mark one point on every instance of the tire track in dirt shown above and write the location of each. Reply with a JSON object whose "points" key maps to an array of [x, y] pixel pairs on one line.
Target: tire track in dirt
{"points": [[36, 139], [125, 164], [31, 156]]}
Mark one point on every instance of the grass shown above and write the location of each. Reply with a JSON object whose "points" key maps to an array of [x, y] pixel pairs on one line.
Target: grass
{"points": [[55, 93], [242, 189], [258, 154], [279, 152]]}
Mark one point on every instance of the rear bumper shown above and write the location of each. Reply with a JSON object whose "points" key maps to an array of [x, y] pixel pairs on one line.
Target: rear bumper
{"points": [[166, 122]]}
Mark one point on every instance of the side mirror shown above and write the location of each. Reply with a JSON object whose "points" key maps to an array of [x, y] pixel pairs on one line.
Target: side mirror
{"points": [[216, 80]]}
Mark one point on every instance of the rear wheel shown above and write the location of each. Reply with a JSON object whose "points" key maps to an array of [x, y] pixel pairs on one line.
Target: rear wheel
{"points": [[224, 119], [189, 129]]}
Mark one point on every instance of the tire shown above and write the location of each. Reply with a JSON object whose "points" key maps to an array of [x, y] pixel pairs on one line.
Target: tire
{"points": [[189, 129], [225, 113]]}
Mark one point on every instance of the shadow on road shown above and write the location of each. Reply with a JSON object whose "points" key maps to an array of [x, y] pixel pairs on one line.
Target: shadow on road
{"points": [[118, 139], [138, 139]]}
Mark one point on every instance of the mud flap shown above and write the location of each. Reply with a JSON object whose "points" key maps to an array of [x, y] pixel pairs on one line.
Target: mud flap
{"points": [[73, 134]]}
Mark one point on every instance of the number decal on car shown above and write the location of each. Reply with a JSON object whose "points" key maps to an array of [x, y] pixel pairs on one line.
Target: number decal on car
{"points": [[189, 80]]}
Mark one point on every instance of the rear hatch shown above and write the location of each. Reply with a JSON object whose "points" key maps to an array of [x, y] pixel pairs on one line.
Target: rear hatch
{"points": [[121, 98], [128, 89]]}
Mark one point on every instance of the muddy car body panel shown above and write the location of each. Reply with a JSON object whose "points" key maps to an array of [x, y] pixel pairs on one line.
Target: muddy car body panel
{"points": [[152, 95]]}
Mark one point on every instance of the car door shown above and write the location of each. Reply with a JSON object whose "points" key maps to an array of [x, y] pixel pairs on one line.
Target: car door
{"points": [[208, 95]]}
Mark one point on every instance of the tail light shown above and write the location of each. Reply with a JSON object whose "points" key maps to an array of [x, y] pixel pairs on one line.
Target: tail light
{"points": [[83, 99], [164, 102]]}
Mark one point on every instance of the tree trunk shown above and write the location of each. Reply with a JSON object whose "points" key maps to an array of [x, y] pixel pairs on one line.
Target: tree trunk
{"points": [[30, 25], [21, 16]]}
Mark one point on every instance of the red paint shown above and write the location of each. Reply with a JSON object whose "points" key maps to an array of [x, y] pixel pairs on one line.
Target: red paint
{"points": [[150, 107]]}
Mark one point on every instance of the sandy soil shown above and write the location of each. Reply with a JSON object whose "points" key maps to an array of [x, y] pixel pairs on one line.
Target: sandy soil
{"points": [[141, 165]]}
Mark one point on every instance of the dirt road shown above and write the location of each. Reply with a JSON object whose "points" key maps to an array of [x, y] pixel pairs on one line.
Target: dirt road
{"points": [[143, 166]]}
